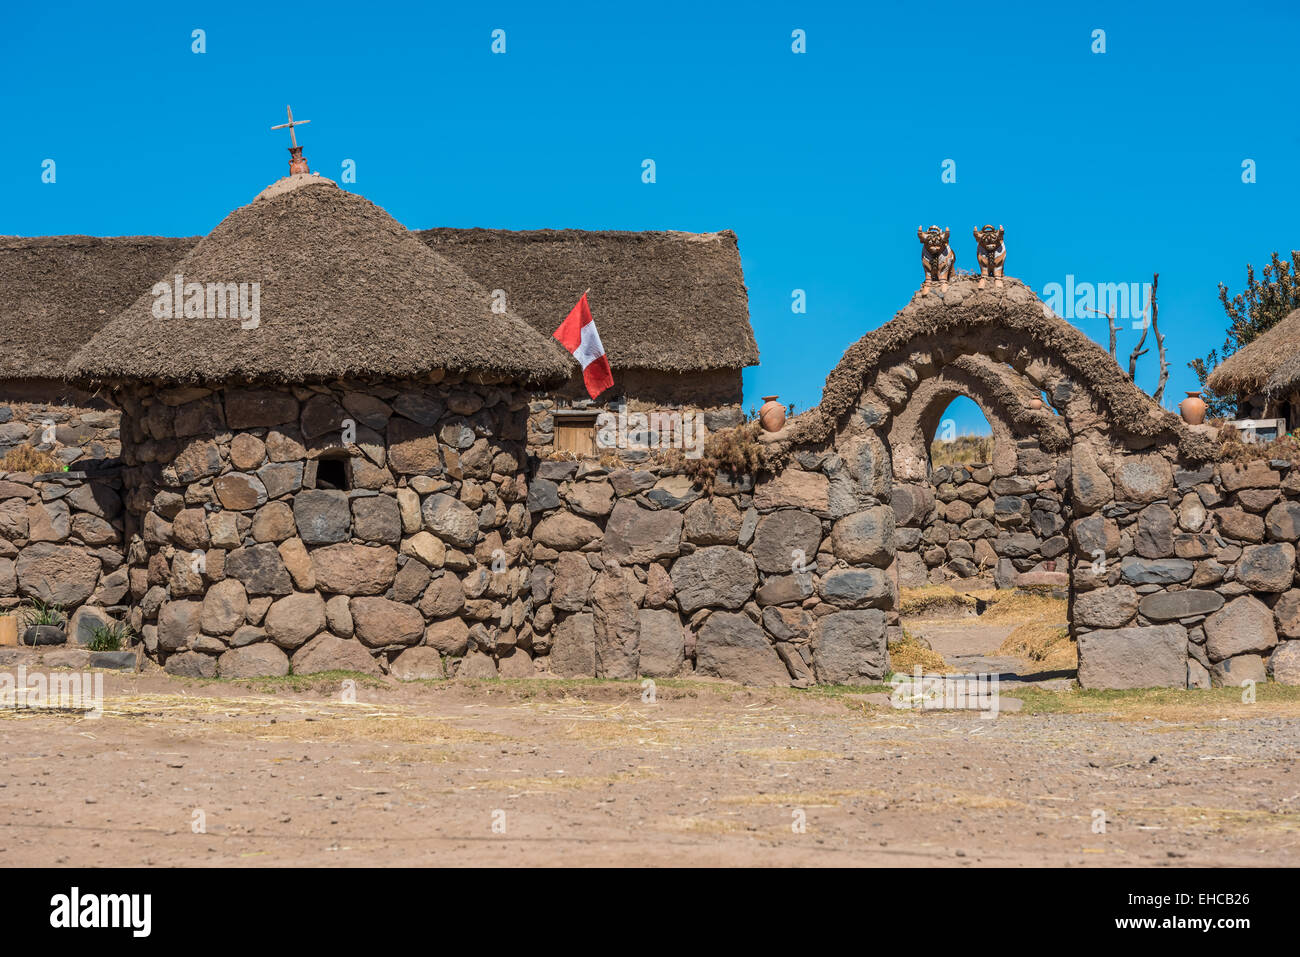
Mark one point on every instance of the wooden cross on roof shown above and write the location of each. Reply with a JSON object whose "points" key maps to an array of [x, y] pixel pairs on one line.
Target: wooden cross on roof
{"points": [[296, 163], [290, 125]]}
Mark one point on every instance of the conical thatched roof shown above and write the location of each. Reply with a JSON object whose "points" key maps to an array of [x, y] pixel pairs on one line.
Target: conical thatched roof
{"points": [[668, 301], [345, 290], [1271, 363], [59, 290]]}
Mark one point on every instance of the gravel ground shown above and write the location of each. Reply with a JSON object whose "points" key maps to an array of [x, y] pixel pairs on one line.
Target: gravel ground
{"points": [[549, 773]]}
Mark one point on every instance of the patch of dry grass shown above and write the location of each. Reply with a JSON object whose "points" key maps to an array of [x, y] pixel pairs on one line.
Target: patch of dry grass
{"points": [[789, 754], [963, 450], [916, 602], [1046, 645], [904, 655], [289, 720], [558, 782], [976, 802], [1216, 818], [706, 825], [25, 458], [1026, 605], [829, 798], [386, 727], [1167, 705], [410, 756]]}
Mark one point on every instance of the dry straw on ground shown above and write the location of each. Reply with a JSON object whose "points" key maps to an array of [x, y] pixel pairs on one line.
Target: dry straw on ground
{"points": [[906, 654]]}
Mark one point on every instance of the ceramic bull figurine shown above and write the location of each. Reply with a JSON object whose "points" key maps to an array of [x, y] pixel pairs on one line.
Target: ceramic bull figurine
{"points": [[991, 252], [937, 258]]}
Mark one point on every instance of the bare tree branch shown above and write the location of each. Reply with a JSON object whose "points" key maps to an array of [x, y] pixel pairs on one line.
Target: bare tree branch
{"points": [[1110, 321], [1158, 395], [1138, 352]]}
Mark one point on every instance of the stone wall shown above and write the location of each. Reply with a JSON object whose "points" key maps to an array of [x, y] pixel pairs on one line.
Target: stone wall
{"points": [[364, 526], [636, 572], [1184, 573], [443, 554], [61, 543], [968, 521], [404, 528], [644, 397], [61, 533], [54, 417]]}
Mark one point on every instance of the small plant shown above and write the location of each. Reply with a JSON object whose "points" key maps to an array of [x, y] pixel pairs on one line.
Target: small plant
{"points": [[112, 637], [43, 613]]}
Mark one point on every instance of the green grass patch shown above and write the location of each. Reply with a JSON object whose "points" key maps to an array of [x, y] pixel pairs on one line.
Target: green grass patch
{"points": [[325, 681], [1173, 704], [840, 691]]}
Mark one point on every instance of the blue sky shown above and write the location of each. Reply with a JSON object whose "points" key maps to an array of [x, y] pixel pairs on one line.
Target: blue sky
{"points": [[1104, 166]]}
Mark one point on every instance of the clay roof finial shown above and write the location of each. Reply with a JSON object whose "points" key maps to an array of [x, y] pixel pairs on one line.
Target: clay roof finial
{"points": [[296, 162]]}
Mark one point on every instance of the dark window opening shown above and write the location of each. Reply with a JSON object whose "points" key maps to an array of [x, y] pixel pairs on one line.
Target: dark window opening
{"points": [[332, 473]]}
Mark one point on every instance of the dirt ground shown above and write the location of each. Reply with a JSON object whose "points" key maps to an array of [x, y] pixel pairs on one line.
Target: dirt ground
{"points": [[285, 772]]}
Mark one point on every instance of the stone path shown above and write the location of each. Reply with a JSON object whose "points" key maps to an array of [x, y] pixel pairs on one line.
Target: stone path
{"points": [[970, 646]]}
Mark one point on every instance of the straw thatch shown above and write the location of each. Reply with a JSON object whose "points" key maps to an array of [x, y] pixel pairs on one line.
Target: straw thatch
{"points": [[345, 291], [667, 301], [1270, 364], [59, 290], [1013, 315]]}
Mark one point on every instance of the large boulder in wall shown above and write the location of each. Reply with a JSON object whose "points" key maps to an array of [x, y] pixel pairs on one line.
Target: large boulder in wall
{"points": [[1137, 657], [731, 646]]}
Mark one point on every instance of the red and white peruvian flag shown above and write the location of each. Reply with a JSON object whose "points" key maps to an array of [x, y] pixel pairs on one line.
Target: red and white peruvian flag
{"points": [[578, 334]]}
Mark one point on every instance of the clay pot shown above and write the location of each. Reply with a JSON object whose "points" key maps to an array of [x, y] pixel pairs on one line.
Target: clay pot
{"points": [[1193, 408], [771, 415]]}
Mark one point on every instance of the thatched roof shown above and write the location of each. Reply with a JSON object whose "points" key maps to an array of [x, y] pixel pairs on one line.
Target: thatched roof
{"points": [[973, 318], [345, 290], [59, 290], [667, 301], [1271, 363]]}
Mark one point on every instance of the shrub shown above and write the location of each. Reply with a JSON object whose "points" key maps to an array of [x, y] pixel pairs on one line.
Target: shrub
{"points": [[112, 637]]}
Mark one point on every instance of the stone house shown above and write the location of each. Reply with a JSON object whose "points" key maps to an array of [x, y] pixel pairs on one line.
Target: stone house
{"points": [[285, 473], [353, 461]]}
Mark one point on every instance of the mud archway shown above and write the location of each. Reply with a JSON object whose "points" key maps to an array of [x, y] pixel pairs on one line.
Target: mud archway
{"points": [[1096, 458]]}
